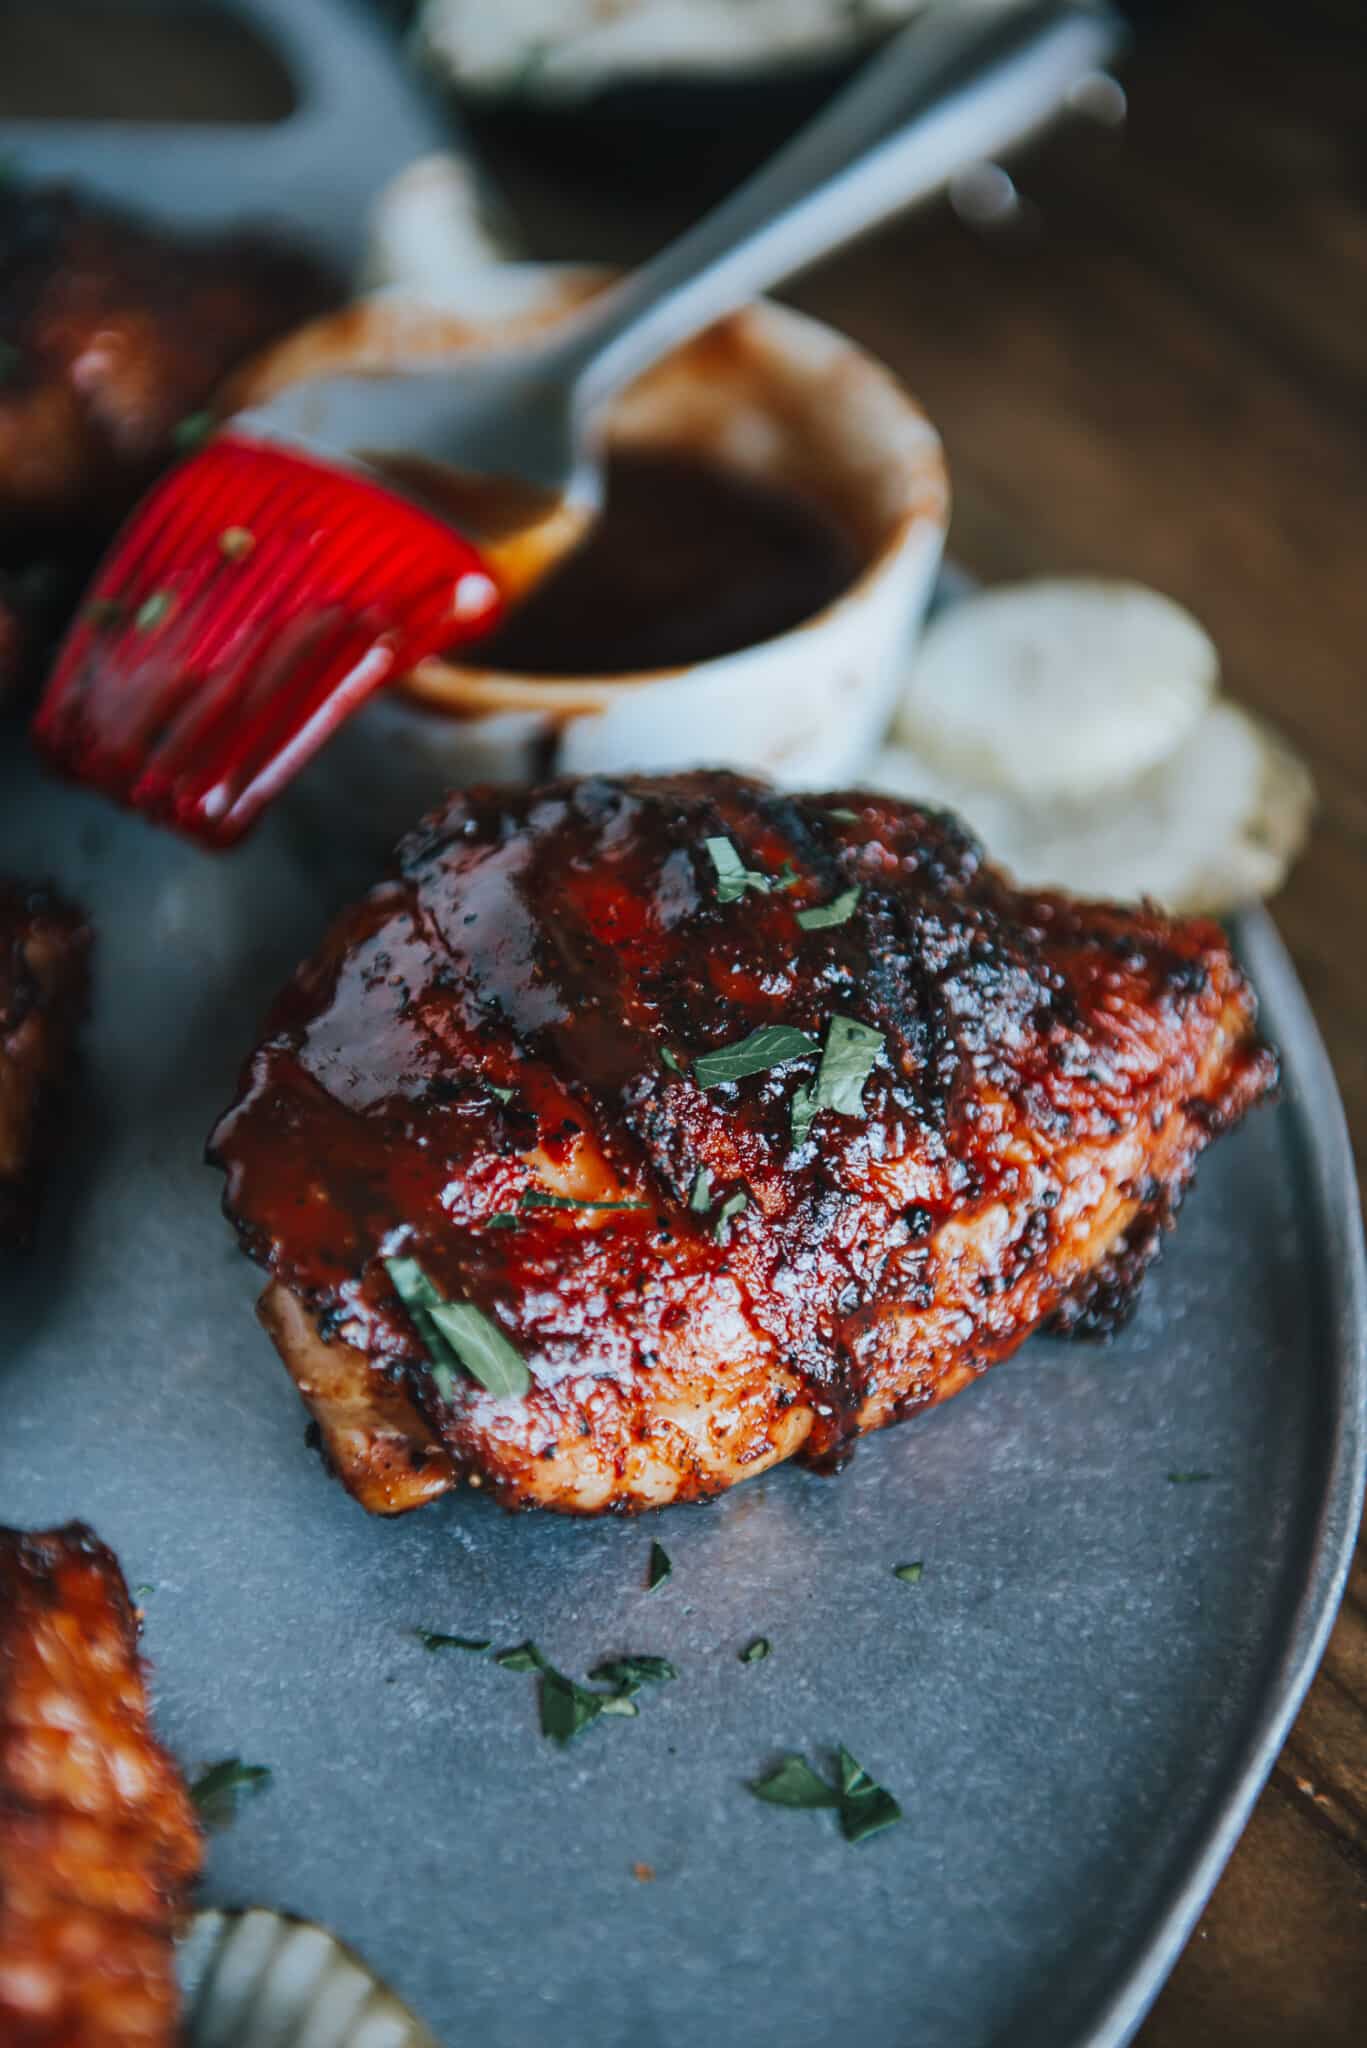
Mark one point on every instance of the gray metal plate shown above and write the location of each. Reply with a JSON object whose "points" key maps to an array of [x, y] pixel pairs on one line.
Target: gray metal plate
{"points": [[1075, 1706]]}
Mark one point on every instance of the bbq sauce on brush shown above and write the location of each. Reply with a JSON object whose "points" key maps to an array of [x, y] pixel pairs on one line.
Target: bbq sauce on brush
{"points": [[688, 561]]}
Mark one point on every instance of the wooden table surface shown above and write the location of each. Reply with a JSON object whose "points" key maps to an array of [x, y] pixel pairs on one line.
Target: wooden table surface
{"points": [[1160, 371]]}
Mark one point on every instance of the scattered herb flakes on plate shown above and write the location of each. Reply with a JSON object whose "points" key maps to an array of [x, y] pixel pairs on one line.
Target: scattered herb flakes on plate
{"points": [[865, 1807], [568, 1708], [434, 1639], [521, 1657], [634, 1671], [217, 1790], [660, 1567], [794, 1783], [1189, 1478], [909, 1574], [756, 1652]]}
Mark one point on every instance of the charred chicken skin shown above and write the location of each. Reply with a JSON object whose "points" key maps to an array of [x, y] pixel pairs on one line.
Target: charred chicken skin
{"points": [[98, 1840], [502, 1066], [44, 974], [112, 332]]}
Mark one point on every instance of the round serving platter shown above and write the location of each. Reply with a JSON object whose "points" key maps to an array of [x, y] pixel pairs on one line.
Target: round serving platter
{"points": [[1075, 1704]]}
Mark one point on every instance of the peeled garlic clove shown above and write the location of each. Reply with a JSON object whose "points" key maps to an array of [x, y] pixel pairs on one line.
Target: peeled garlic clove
{"points": [[1217, 825], [1057, 688], [259, 1979]]}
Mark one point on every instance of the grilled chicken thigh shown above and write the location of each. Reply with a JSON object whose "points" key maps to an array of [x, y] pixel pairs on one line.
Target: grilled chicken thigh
{"points": [[522, 1077], [98, 1840], [44, 972]]}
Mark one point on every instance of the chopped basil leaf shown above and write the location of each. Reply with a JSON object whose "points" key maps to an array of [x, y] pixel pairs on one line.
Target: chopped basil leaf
{"points": [[660, 1567], [153, 611], [236, 542], [566, 1708], [847, 1060], [670, 1060], [522, 1657], [538, 1198], [794, 1783], [756, 1652], [734, 878], [215, 1792], [634, 1671], [822, 916], [771, 1045], [482, 1348], [503, 1094], [732, 1206], [433, 1639], [909, 1574], [1189, 1478], [456, 1333], [194, 429], [844, 817], [502, 1219], [866, 1807], [700, 1199], [143, 1592]]}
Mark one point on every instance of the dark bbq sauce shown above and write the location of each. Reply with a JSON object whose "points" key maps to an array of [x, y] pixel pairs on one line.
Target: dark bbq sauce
{"points": [[688, 561]]}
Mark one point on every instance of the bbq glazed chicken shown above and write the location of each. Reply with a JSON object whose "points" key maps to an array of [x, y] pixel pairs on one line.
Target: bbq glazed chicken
{"points": [[44, 978], [98, 1840], [112, 334], [636, 1135]]}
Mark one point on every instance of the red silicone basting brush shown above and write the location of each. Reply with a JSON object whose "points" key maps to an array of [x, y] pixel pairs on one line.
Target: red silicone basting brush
{"points": [[272, 583], [253, 602]]}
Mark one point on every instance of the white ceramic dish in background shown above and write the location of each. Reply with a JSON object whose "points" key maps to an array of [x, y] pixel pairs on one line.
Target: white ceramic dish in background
{"points": [[769, 392]]}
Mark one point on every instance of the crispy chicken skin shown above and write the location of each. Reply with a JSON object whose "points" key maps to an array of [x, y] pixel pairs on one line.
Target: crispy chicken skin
{"points": [[44, 978], [98, 1839], [1049, 1072], [112, 331]]}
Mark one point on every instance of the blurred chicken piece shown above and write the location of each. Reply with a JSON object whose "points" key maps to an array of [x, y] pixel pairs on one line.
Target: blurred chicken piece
{"points": [[112, 334], [44, 983], [98, 1840]]}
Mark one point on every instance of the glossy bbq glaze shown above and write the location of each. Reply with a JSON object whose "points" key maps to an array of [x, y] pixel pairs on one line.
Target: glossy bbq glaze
{"points": [[99, 1844], [1048, 1073]]}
